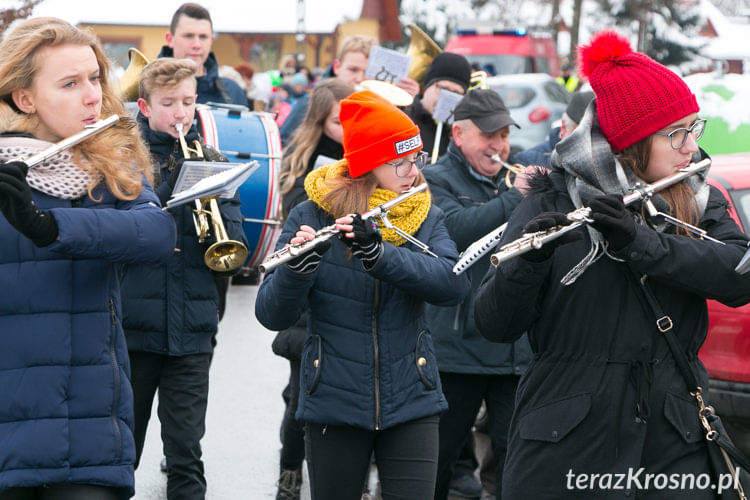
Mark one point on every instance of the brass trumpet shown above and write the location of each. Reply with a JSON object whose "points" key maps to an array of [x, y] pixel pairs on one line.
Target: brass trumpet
{"points": [[224, 254], [515, 168]]}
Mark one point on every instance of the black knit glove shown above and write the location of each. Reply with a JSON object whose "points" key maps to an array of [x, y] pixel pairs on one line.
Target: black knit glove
{"points": [[308, 262], [19, 208], [613, 220], [175, 172], [548, 220], [367, 243]]}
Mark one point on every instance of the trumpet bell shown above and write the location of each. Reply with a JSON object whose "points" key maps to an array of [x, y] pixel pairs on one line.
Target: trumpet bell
{"points": [[129, 81], [422, 50], [226, 255], [388, 91]]}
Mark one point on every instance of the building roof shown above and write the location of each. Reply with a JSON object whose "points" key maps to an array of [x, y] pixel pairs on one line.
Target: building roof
{"points": [[276, 16], [731, 38]]}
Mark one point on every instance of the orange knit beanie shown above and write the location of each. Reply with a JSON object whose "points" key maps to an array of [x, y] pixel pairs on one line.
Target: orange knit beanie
{"points": [[375, 132]]}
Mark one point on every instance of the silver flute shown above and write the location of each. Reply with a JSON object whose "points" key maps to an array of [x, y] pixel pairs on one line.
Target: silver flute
{"points": [[581, 216], [71, 141], [289, 252]]}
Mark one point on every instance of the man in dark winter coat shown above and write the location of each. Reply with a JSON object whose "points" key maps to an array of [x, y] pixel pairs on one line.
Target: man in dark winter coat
{"points": [[191, 36], [447, 71], [468, 185], [540, 154]]}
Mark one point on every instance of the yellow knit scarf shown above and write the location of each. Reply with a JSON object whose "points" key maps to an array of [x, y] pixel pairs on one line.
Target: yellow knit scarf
{"points": [[407, 215]]}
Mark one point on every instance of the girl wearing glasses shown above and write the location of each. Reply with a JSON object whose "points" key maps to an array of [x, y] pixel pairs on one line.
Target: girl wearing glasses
{"points": [[369, 380], [316, 142], [603, 396]]}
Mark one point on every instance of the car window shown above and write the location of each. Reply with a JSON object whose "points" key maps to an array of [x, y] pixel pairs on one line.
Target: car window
{"points": [[501, 64], [515, 96], [556, 93], [741, 201]]}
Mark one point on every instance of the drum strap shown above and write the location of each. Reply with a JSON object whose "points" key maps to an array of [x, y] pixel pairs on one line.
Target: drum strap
{"points": [[222, 90]]}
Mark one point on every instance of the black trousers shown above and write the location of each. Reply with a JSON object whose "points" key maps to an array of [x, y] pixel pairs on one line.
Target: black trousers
{"points": [[61, 492], [182, 382], [338, 460], [465, 393], [292, 430]]}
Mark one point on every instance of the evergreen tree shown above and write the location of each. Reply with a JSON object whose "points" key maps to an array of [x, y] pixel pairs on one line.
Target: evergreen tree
{"points": [[666, 30]]}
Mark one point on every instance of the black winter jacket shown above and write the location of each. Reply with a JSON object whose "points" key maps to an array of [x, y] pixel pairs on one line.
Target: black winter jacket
{"points": [[603, 393], [171, 308], [474, 205]]}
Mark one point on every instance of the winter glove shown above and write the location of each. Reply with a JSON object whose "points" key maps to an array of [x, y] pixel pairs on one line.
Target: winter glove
{"points": [[19, 208], [366, 244], [613, 220], [175, 172], [549, 220], [308, 262]]}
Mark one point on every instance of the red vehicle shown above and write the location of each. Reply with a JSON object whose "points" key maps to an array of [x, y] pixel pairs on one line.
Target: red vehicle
{"points": [[507, 52], [726, 352]]}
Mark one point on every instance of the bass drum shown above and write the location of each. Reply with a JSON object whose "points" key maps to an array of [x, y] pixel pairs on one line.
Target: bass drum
{"points": [[244, 136]]}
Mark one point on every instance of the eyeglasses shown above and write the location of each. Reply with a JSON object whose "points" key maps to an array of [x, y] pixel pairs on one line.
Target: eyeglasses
{"points": [[403, 167], [678, 136]]}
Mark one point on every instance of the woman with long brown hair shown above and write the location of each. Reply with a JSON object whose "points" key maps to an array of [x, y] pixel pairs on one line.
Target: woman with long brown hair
{"points": [[369, 380], [606, 396], [67, 414]]}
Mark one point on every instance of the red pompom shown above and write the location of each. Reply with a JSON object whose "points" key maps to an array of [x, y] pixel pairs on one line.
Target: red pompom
{"points": [[605, 46]]}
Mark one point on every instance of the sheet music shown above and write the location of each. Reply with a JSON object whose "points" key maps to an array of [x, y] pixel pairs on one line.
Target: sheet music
{"points": [[205, 179], [446, 104], [387, 65]]}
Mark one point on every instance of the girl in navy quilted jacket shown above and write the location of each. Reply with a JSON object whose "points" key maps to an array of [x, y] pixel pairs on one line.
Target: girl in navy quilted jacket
{"points": [[369, 380], [66, 413]]}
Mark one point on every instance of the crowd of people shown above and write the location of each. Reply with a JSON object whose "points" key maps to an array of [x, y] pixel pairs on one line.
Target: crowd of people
{"points": [[392, 355]]}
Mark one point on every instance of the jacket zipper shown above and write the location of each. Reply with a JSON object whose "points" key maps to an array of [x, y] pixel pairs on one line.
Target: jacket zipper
{"points": [[376, 353], [116, 370]]}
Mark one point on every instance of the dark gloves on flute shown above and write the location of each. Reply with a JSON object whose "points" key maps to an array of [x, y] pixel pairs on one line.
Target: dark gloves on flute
{"points": [[308, 262], [366, 244], [19, 208], [613, 220], [542, 222]]}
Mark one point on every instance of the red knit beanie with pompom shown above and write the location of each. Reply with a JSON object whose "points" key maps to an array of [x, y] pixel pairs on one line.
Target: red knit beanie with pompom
{"points": [[635, 95]]}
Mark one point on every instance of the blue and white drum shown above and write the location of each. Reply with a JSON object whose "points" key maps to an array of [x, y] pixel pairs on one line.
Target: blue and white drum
{"points": [[243, 136]]}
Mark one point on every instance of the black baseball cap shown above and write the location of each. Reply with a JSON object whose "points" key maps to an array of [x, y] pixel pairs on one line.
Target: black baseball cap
{"points": [[485, 108]]}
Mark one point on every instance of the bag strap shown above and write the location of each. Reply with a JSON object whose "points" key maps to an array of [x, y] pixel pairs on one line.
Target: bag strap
{"points": [[665, 325]]}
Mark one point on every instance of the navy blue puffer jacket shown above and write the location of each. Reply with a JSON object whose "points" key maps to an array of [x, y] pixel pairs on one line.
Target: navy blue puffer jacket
{"points": [[171, 308], [368, 359], [66, 413]]}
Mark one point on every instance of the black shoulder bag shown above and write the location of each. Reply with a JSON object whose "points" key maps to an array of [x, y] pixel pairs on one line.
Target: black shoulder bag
{"points": [[723, 454]]}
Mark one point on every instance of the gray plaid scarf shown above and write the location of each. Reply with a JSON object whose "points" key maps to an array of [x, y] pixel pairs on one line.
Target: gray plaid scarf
{"points": [[591, 169]]}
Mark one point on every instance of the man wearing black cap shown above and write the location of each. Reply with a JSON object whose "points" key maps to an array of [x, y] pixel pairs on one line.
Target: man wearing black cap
{"points": [[447, 71], [468, 185], [540, 154]]}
